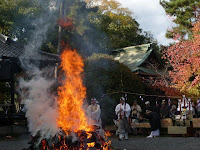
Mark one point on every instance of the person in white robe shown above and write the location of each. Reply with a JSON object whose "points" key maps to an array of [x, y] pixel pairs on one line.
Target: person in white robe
{"points": [[94, 113], [136, 110], [123, 111]]}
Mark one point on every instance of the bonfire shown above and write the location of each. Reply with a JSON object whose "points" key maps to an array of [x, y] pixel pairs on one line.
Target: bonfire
{"points": [[76, 132]]}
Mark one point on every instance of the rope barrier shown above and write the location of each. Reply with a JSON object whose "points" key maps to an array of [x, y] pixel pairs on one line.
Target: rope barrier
{"points": [[162, 96]]}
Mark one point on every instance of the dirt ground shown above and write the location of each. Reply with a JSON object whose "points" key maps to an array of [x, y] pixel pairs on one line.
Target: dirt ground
{"points": [[134, 143], [159, 143], [18, 142]]}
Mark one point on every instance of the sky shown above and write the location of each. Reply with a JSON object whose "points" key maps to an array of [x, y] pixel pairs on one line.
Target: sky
{"points": [[151, 16]]}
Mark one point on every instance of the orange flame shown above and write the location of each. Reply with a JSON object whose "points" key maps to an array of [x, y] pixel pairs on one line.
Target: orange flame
{"points": [[91, 144], [108, 133], [89, 135], [71, 94]]}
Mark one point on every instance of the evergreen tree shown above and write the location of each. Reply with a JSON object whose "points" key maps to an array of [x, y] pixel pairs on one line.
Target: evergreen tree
{"points": [[184, 12]]}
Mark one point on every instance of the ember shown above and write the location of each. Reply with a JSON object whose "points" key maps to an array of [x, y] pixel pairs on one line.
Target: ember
{"points": [[82, 142]]}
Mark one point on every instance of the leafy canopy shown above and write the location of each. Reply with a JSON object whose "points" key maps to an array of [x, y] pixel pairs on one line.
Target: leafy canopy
{"points": [[184, 57], [184, 13]]}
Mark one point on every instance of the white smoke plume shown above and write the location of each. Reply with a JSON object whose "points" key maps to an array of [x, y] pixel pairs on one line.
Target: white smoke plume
{"points": [[36, 91], [40, 105]]}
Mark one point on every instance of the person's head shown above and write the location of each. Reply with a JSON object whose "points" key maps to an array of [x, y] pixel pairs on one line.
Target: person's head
{"points": [[147, 103], [93, 100], [148, 111], [163, 103], [135, 102], [122, 100]]}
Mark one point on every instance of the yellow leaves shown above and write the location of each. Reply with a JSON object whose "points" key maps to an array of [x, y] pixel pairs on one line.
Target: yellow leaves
{"points": [[112, 6]]}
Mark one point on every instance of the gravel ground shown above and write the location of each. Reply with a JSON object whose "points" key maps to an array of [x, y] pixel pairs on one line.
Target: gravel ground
{"points": [[159, 143], [17, 143], [134, 143]]}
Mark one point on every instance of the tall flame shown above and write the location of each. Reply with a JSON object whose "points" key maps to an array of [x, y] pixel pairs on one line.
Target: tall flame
{"points": [[71, 93]]}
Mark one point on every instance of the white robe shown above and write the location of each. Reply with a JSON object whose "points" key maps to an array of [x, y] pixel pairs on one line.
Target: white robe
{"points": [[94, 112], [136, 110], [123, 124], [125, 110]]}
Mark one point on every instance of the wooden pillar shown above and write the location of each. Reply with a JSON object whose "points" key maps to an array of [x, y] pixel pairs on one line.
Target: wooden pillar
{"points": [[12, 92]]}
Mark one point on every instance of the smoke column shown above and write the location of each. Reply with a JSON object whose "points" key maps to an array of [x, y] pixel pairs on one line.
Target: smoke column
{"points": [[40, 102]]}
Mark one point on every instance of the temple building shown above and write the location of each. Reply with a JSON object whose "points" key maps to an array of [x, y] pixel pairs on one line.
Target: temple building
{"points": [[146, 62], [142, 60]]}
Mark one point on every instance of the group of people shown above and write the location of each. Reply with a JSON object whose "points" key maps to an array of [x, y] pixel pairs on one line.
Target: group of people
{"points": [[125, 113]]}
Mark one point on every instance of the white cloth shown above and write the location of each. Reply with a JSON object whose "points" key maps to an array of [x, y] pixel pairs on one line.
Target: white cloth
{"points": [[94, 112], [155, 133], [136, 110], [125, 110]]}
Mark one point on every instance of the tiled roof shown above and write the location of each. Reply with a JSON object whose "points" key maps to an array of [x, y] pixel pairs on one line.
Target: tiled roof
{"points": [[13, 49], [134, 57]]}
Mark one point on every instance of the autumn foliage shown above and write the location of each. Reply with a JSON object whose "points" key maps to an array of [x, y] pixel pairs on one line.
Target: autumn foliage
{"points": [[184, 58]]}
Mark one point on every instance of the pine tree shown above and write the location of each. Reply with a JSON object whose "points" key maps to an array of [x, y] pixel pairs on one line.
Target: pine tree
{"points": [[184, 12]]}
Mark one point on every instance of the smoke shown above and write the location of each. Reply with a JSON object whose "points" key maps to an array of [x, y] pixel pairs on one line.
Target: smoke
{"points": [[38, 94], [40, 105], [86, 37], [37, 89]]}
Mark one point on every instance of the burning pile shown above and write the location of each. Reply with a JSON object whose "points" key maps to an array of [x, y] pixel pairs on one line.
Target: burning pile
{"points": [[81, 140], [75, 133]]}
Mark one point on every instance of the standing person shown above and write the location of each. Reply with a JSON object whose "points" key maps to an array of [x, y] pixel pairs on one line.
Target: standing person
{"points": [[157, 108], [194, 109], [154, 120], [164, 110], [136, 110], [94, 112], [147, 106], [172, 111], [123, 111]]}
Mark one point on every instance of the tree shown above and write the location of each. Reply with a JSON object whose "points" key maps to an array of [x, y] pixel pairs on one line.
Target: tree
{"points": [[17, 17], [118, 24], [184, 13], [97, 28], [83, 35], [184, 58]]}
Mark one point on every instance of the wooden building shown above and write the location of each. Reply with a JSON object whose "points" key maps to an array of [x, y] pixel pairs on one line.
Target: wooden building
{"points": [[142, 60], [146, 62], [12, 54]]}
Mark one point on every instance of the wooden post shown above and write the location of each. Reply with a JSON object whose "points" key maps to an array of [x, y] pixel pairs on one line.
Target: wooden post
{"points": [[12, 92]]}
